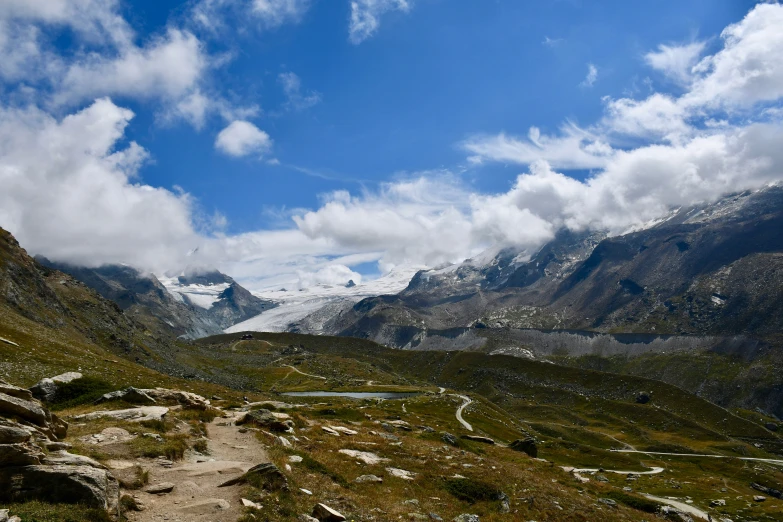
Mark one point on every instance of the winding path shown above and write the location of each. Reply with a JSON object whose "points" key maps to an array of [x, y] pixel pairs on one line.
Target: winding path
{"points": [[303, 373], [777, 462], [652, 471], [682, 506], [465, 401]]}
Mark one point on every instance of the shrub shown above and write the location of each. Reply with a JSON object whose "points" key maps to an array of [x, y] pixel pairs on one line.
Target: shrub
{"points": [[640, 503], [80, 391], [471, 490]]}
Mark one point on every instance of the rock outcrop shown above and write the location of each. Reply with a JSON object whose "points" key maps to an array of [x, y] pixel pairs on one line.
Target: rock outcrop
{"points": [[46, 389], [27, 472], [527, 445]]}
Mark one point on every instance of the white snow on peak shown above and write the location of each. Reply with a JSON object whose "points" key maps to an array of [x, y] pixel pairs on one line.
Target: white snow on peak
{"points": [[203, 296], [294, 305]]}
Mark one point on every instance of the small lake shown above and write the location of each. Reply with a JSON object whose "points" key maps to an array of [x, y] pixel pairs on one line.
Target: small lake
{"points": [[354, 395]]}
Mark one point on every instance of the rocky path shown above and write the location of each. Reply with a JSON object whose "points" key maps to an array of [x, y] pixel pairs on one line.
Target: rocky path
{"points": [[682, 506], [777, 462], [465, 402], [196, 496], [297, 370]]}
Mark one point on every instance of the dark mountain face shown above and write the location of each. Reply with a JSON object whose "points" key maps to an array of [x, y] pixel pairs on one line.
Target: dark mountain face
{"points": [[715, 269], [143, 297]]}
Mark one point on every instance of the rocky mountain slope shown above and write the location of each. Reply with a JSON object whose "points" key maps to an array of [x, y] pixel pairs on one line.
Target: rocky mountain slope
{"points": [[194, 304], [710, 270]]}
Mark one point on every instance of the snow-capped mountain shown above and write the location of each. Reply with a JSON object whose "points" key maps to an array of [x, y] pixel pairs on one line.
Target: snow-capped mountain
{"points": [[308, 309]]}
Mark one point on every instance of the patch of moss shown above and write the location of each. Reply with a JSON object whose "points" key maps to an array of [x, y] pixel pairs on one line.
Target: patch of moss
{"points": [[471, 490]]}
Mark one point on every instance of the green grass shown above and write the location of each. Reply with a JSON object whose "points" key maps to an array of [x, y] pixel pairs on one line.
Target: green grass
{"points": [[43, 512], [471, 490], [86, 390]]}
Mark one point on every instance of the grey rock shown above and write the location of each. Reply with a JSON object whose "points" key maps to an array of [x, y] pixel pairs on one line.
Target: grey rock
{"points": [[642, 398], [11, 433], [265, 418], [324, 513], [23, 454], [767, 491], [435, 516], [448, 438], [466, 518], [608, 502], [306, 518], [160, 489], [167, 396], [601, 478], [24, 409], [527, 445], [140, 414], [266, 476], [68, 459], [368, 479], [505, 503], [46, 389], [131, 395], [60, 484], [15, 391], [479, 438]]}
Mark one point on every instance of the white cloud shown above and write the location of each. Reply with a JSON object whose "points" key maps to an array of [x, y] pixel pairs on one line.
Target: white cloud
{"points": [[334, 274], [170, 67], [592, 76], [241, 138], [278, 12], [676, 61], [573, 149], [70, 194], [658, 117], [297, 100], [552, 42], [366, 16], [749, 68]]}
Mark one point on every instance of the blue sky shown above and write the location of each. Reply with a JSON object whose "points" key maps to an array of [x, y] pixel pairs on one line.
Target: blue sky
{"points": [[400, 101], [286, 138]]}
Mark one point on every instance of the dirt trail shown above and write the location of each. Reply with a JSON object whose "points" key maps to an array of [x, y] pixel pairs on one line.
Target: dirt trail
{"points": [[466, 401], [196, 496]]}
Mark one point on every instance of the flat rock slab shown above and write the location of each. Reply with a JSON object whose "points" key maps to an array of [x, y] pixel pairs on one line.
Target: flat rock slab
{"points": [[344, 430], [364, 456], [324, 513], [401, 473], [208, 506], [140, 414], [161, 488], [364, 479], [478, 438], [108, 436], [216, 467]]}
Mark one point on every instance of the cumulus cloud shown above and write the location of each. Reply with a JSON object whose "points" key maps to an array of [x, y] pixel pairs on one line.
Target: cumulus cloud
{"points": [[296, 99], [676, 61], [70, 194], [169, 67], [278, 12], [366, 16], [329, 275], [241, 138]]}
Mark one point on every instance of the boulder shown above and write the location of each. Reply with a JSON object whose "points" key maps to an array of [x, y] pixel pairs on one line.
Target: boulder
{"points": [[11, 433], [324, 513], [187, 399], [23, 454], [401, 473], [69, 459], [58, 426], [46, 389], [479, 438], [527, 445], [140, 414], [265, 419], [160, 489], [767, 491], [131, 395], [15, 391], [642, 398], [448, 438], [60, 484], [466, 518], [364, 479], [31, 411], [266, 476], [364, 456], [771, 426]]}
